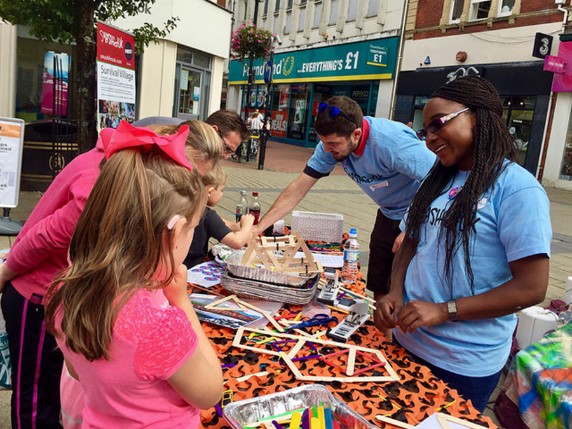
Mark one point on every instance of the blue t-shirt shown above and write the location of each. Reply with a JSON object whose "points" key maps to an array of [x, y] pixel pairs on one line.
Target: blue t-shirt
{"points": [[512, 222], [390, 168]]}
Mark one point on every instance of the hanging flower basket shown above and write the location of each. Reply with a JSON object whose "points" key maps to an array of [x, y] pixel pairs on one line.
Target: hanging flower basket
{"points": [[249, 41]]}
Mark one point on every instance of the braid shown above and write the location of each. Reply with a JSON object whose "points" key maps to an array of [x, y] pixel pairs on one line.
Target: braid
{"points": [[492, 144]]}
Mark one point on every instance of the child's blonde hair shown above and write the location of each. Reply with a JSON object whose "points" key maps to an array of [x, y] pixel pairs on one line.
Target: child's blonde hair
{"points": [[215, 178], [118, 244]]}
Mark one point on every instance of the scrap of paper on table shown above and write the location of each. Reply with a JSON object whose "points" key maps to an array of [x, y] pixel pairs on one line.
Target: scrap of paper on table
{"points": [[207, 274], [326, 259]]}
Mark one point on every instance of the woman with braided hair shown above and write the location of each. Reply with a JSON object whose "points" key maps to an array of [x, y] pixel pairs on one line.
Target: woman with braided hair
{"points": [[476, 247]]}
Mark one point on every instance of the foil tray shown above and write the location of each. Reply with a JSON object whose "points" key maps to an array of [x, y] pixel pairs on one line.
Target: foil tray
{"points": [[253, 289], [241, 413], [262, 274]]}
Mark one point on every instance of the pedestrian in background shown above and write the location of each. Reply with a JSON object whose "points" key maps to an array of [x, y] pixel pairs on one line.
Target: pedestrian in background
{"points": [[476, 247]]}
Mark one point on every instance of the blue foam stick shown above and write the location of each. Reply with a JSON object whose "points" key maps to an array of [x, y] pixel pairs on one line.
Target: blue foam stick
{"points": [[329, 419]]}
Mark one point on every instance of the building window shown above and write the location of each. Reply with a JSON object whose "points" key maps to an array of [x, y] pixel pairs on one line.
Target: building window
{"points": [[317, 14], [302, 19], [505, 7], [334, 12], [265, 7], [456, 11], [288, 22], [352, 10], [479, 9], [277, 7], [372, 8]]}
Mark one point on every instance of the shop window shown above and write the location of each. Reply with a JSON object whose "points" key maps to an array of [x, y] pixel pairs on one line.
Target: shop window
{"points": [[334, 12], [298, 112], [566, 168], [372, 8], [352, 10], [317, 14], [201, 60], [518, 114], [456, 11], [479, 9], [505, 7]]}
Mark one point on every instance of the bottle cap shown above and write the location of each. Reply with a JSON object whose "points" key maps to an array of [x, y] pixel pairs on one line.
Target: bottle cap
{"points": [[353, 232], [255, 194], [242, 192]]}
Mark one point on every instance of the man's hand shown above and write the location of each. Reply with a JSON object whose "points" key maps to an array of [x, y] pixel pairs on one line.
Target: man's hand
{"points": [[420, 313]]}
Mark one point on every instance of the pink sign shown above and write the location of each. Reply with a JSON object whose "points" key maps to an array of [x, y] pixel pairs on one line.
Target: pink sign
{"points": [[554, 64], [55, 83], [563, 81]]}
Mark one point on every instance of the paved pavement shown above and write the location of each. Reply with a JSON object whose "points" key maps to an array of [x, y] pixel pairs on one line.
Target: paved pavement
{"points": [[333, 194]]}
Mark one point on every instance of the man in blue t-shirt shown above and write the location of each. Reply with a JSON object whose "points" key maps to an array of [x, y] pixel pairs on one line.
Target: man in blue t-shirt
{"points": [[385, 158]]}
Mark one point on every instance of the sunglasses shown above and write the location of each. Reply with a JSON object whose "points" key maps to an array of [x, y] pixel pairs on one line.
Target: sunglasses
{"points": [[334, 112], [437, 125]]}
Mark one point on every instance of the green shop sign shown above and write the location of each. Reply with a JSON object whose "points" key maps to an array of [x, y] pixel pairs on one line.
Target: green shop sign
{"points": [[372, 59]]}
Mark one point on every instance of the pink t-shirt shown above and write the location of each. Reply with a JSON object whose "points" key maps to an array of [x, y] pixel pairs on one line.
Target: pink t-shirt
{"points": [[151, 341]]}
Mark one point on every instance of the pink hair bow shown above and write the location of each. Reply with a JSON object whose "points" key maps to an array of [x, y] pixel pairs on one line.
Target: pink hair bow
{"points": [[127, 136]]}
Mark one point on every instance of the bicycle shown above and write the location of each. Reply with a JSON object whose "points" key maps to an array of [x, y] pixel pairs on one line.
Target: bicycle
{"points": [[249, 149]]}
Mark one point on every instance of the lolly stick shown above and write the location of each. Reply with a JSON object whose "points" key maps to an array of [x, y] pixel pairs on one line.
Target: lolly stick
{"points": [[394, 422]]}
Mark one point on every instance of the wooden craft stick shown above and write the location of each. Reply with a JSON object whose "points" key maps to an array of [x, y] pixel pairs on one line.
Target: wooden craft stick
{"points": [[394, 422], [246, 377], [220, 301], [351, 362], [351, 292], [444, 420]]}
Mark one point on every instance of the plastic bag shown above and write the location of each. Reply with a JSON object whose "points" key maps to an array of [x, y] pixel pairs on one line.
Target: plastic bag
{"points": [[5, 363]]}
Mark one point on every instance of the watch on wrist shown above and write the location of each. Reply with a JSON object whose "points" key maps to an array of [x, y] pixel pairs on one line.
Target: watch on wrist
{"points": [[452, 310]]}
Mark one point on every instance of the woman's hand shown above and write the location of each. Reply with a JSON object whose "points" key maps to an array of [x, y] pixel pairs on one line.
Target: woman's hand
{"points": [[176, 291], [388, 308], [420, 313]]}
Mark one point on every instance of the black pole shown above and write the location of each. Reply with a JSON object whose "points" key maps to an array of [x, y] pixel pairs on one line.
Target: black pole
{"points": [[251, 75], [265, 132]]}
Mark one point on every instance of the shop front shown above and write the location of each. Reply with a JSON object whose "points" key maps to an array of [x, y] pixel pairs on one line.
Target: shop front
{"points": [[523, 87], [304, 79]]}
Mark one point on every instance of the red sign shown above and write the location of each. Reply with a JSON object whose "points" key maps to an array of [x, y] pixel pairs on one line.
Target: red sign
{"points": [[554, 64], [115, 46], [562, 82], [278, 124]]}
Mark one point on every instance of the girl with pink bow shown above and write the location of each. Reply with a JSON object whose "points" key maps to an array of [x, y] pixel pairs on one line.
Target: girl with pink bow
{"points": [[120, 313]]}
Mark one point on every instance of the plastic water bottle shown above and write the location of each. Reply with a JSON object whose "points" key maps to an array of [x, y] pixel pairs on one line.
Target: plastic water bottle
{"points": [[351, 257], [241, 206], [255, 207]]}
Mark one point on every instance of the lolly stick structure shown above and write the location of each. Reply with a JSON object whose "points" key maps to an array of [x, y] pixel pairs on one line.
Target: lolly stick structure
{"points": [[264, 250], [352, 350]]}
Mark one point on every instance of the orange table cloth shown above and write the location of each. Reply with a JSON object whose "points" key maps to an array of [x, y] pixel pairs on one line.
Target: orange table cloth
{"points": [[414, 397]]}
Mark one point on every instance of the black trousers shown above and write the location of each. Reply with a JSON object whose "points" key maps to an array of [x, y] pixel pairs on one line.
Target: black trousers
{"points": [[384, 233], [36, 364]]}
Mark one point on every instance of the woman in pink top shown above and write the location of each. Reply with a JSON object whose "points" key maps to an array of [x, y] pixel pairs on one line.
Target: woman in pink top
{"points": [[121, 314]]}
